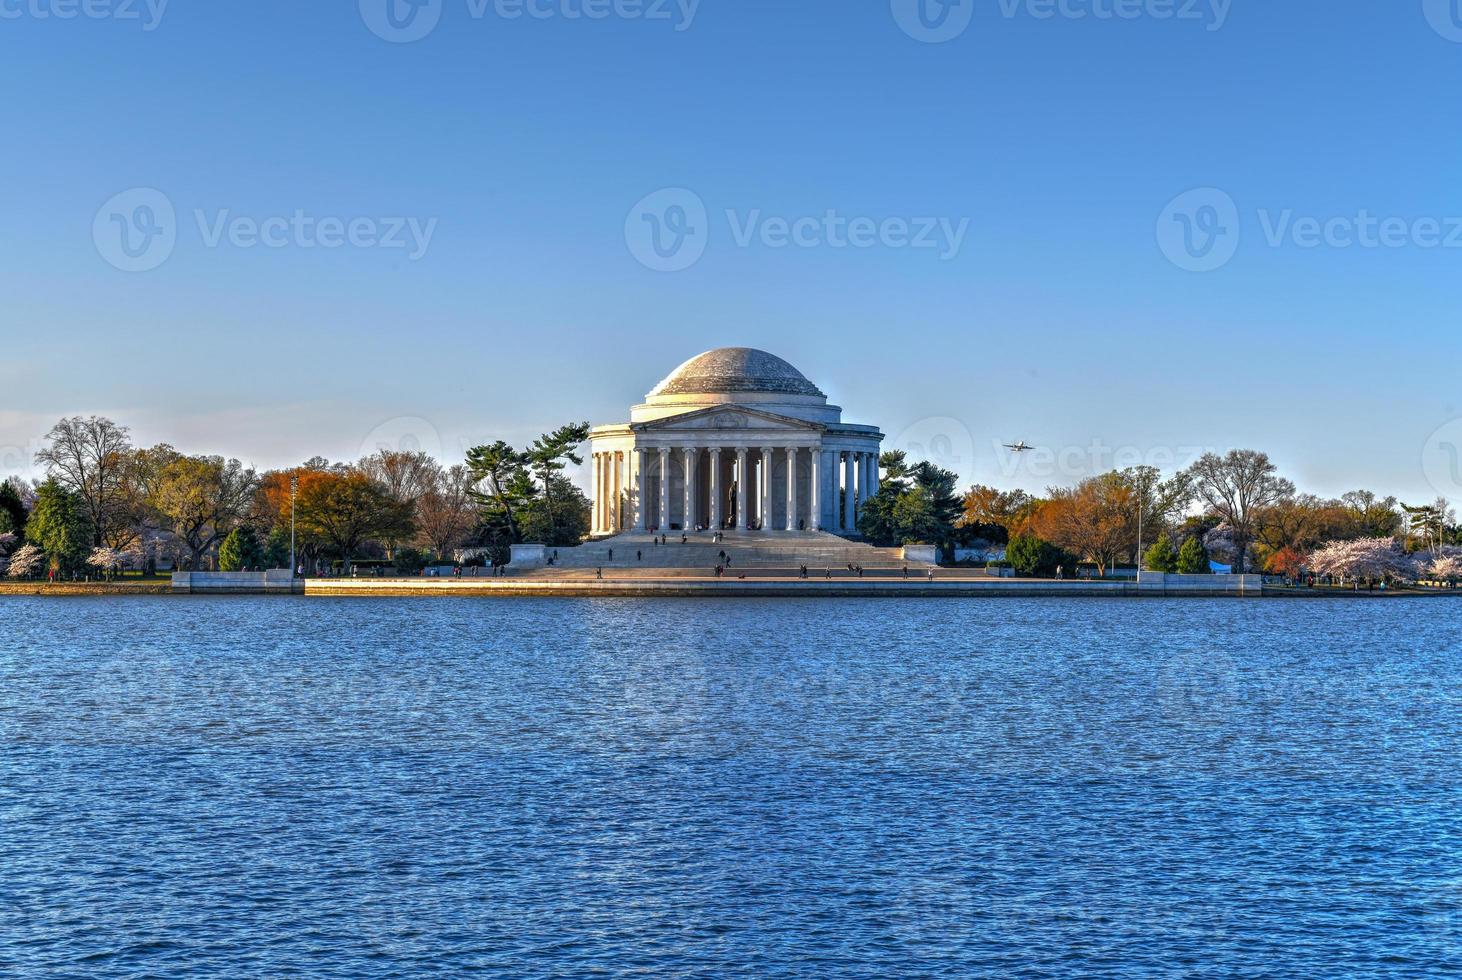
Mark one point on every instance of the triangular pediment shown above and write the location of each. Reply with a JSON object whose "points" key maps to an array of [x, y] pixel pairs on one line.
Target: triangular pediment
{"points": [[733, 417]]}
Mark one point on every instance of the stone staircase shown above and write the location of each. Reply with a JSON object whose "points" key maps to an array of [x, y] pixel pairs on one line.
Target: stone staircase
{"points": [[748, 550]]}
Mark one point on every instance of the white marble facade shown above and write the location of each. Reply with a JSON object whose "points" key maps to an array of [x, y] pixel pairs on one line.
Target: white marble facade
{"points": [[734, 438]]}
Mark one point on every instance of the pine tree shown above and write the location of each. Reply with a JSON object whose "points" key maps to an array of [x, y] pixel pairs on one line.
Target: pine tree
{"points": [[13, 509], [1193, 558], [240, 550], [59, 525], [1162, 556]]}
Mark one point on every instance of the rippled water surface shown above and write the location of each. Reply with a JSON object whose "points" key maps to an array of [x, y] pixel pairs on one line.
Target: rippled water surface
{"points": [[730, 788]]}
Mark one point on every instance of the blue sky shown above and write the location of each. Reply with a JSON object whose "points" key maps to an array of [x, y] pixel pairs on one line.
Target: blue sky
{"points": [[1057, 142]]}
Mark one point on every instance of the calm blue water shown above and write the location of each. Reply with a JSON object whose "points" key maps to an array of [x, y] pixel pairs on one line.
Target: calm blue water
{"points": [[730, 788]]}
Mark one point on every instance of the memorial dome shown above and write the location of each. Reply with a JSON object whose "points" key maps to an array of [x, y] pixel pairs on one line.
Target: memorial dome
{"points": [[728, 370]]}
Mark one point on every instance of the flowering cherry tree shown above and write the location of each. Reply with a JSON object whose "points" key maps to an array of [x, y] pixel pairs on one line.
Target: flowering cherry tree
{"points": [[1445, 566], [106, 560], [1364, 558], [26, 561]]}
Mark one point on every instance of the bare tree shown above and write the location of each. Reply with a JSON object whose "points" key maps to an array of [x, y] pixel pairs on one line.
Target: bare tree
{"points": [[405, 477], [446, 513], [88, 456], [1239, 487]]}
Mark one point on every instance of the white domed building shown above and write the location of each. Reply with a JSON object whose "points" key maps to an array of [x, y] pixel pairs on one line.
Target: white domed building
{"points": [[735, 439]]}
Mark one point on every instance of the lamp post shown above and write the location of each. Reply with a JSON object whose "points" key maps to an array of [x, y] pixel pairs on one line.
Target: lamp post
{"points": [[294, 485]]}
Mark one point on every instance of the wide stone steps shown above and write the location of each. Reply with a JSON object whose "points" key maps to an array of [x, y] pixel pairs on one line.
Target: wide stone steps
{"points": [[620, 573], [745, 550]]}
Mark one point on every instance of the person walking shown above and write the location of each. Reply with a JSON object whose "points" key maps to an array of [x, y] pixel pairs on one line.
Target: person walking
{"points": [[599, 572], [611, 554], [639, 555], [906, 571]]}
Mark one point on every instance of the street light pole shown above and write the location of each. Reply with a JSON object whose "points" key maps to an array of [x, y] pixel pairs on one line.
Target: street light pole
{"points": [[294, 485]]}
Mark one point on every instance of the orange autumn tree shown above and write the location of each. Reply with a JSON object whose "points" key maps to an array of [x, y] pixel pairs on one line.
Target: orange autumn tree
{"points": [[1096, 519], [344, 510]]}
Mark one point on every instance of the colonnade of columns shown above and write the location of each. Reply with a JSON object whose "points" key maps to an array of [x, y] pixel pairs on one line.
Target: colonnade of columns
{"points": [[619, 480]]}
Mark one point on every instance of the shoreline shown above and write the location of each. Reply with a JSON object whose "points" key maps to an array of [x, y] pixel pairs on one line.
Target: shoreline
{"points": [[681, 587]]}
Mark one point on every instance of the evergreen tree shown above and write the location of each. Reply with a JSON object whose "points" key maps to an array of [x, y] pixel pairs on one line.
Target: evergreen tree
{"points": [[276, 548], [59, 525], [914, 505], [1033, 558], [1162, 556], [1193, 558], [13, 509], [240, 550]]}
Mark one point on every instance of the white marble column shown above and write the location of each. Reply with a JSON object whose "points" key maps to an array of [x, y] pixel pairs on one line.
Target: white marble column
{"points": [[845, 521], [637, 478], [715, 495], [765, 518], [614, 485], [741, 488], [603, 493], [599, 502], [872, 474], [858, 490], [664, 522], [687, 461], [791, 488], [814, 494]]}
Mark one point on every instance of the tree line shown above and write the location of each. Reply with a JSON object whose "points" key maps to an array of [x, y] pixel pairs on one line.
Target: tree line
{"points": [[1233, 508], [105, 504]]}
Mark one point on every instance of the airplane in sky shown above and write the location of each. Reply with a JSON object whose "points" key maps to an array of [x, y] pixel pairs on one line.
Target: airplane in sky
{"points": [[1019, 447]]}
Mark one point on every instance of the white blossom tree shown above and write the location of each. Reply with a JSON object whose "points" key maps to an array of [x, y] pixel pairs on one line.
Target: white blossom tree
{"points": [[1446, 565], [26, 561], [1364, 559], [106, 560]]}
